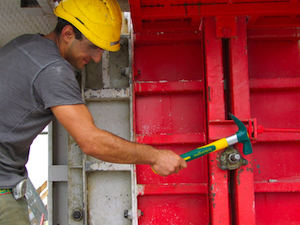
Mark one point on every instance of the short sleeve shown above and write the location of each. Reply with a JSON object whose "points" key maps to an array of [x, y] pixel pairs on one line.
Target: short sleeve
{"points": [[56, 85]]}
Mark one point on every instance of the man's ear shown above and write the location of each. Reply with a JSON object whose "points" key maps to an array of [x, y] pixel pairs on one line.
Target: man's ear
{"points": [[67, 33]]}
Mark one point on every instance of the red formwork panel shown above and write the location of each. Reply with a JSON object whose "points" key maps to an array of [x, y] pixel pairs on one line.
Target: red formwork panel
{"points": [[193, 62], [274, 72], [169, 62], [173, 209], [169, 113]]}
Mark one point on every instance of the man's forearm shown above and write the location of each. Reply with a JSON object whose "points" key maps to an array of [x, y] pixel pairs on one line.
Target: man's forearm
{"points": [[109, 147]]}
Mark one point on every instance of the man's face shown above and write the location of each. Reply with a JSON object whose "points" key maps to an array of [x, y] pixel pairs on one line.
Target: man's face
{"points": [[81, 52]]}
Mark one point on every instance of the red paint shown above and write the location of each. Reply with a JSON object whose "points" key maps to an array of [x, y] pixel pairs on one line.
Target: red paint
{"points": [[181, 66], [243, 187], [218, 179], [169, 105]]}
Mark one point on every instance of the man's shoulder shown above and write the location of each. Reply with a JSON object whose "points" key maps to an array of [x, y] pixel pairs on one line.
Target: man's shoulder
{"points": [[34, 42], [41, 50], [28, 39]]}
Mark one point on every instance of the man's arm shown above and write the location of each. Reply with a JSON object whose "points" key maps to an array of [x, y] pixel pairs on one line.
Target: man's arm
{"points": [[106, 146]]}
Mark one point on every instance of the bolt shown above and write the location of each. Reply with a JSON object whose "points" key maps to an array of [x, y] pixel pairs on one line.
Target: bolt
{"points": [[126, 213], [125, 72], [234, 157], [226, 31], [77, 214]]}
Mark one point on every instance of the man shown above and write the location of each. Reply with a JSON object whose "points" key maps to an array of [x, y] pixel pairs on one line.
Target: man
{"points": [[37, 82]]}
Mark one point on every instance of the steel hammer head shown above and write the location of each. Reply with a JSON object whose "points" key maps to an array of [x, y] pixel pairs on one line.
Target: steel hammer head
{"points": [[242, 135]]}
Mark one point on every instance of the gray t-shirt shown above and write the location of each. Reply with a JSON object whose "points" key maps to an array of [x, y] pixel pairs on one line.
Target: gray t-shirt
{"points": [[33, 78]]}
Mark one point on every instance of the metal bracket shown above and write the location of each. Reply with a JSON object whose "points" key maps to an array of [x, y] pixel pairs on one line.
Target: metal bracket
{"points": [[129, 215], [231, 159]]}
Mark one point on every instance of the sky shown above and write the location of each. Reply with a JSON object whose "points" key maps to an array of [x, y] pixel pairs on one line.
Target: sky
{"points": [[37, 165]]}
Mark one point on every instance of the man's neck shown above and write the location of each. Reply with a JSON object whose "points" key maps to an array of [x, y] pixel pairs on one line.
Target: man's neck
{"points": [[55, 37]]}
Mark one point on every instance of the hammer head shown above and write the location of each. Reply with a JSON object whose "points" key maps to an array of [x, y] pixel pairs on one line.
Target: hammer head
{"points": [[242, 135]]}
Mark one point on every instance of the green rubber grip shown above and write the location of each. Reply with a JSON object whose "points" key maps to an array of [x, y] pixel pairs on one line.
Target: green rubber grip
{"points": [[198, 152]]}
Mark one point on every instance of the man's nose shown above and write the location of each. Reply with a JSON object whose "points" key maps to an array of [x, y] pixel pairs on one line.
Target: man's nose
{"points": [[97, 58]]}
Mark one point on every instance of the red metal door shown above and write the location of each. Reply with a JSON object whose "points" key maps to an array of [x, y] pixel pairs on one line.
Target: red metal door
{"points": [[274, 71], [170, 114], [193, 63]]}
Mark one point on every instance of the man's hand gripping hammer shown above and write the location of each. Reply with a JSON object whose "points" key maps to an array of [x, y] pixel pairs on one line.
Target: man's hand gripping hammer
{"points": [[239, 137]]}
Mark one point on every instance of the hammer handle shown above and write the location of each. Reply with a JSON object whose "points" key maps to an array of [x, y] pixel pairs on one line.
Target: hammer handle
{"points": [[201, 151], [204, 150]]}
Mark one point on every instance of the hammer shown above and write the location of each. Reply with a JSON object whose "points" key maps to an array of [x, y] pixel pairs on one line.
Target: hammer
{"points": [[239, 137]]}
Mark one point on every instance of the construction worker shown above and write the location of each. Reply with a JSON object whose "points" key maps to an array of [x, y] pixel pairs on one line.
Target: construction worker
{"points": [[37, 82]]}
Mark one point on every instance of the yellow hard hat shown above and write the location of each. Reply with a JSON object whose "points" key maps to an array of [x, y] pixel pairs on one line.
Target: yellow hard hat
{"points": [[100, 21]]}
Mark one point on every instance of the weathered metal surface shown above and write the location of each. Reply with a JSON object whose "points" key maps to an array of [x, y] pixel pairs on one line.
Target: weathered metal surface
{"points": [[217, 179], [109, 194], [57, 188], [108, 94], [109, 188], [106, 166]]}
